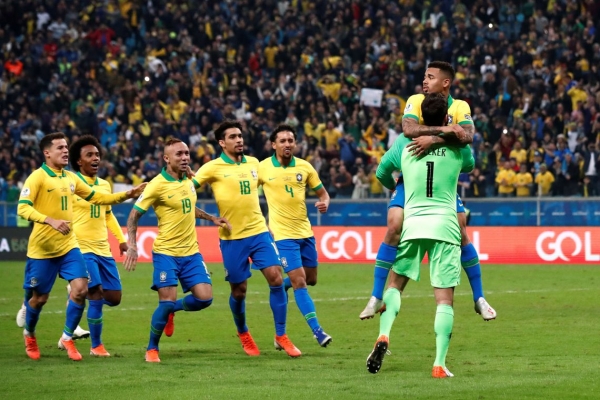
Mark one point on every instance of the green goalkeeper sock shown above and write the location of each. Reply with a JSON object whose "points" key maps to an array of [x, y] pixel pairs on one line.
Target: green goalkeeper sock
{"points": [[392, 301], [444, 320]]}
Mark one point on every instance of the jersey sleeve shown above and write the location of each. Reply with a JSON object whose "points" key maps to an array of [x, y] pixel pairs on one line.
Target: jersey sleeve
{"points": [[464, 114], [313, 181], [390, 162], [113, 226], [203, 175], [84, 191], [27, 198], [468, 161], [147, 199], [262, 170], [413, 107]]}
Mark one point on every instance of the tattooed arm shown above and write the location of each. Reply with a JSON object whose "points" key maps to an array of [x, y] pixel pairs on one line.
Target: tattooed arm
{"points": [[219, 221], [421, 144], [132, 254]]}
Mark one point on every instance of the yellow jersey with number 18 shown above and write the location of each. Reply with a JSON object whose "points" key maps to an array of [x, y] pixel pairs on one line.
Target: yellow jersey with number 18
{"points": [[285, 189], [91, 221], [459, 111], [235, 187], [174, 202]]}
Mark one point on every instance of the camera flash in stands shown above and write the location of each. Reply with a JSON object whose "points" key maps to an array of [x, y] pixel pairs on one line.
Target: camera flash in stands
{"points": [[505, 131], [147, 79], [491, 25]]}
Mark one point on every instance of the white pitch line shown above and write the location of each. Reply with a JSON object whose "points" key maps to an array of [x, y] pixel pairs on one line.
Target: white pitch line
{"points": [[333, 299]]}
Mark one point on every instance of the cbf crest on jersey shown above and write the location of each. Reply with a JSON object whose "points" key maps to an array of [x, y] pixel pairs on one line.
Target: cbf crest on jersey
{"points": [[450, 119], [254, 174], [299, 177], [192, 187], [72, 188]]}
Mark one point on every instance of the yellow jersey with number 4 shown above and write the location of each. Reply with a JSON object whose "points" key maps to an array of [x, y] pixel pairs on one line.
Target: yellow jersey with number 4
{"points": [[459, 111], [235, 188], [91, 221], [285, 189], [49, 193], [174, 202]]}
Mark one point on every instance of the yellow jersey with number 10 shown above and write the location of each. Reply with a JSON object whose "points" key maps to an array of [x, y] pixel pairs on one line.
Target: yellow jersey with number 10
{"points": [[91, 221], [459, 111], [285, 189], [235, 187], [174, 202]]}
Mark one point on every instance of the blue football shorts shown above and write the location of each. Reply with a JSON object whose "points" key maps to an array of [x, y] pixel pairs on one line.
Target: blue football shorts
{"points": [[102, 271], [237, 253], [189, 270], [297, 253], [40, 274]]}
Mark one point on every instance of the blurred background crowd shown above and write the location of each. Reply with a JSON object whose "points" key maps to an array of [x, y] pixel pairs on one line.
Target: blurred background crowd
{"points": [[133, 73]]}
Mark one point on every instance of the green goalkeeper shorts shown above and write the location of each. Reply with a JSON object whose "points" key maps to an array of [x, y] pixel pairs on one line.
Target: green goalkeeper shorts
{"points": [[444, 261]]}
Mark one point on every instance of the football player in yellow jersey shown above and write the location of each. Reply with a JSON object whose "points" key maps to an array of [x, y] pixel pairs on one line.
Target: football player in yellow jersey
{"points": [[175, 252], [47, 199], [285, 180], [90, 226], [438, 79], [234, 180]]}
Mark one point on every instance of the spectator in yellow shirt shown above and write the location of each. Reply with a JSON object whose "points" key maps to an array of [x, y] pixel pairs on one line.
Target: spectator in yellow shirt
{"points": [[376, 187], [331, 136], [518, 153], [523, 181], [205, 151], [544, 181], [314, 129], [505, 180]]}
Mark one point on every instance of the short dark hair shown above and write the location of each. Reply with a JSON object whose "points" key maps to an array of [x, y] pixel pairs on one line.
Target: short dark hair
{"points": [[172, 141], [75, 149], [223, 126], [444, 67], [46, 141], [434, 109], [282, 128]]}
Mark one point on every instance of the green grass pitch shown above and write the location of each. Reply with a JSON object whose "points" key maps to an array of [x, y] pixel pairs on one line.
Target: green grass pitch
{"points": [[545, 343]]}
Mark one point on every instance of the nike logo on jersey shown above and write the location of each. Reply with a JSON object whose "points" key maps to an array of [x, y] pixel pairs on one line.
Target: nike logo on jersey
{"points": [[272, 179], [170, 196], [49, 190], [225, 176]]}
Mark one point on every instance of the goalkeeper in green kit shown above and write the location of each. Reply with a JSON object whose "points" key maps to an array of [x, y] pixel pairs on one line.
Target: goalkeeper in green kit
{"points": [[430, 227]]}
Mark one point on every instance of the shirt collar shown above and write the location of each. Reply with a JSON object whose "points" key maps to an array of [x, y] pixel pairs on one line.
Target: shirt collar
{"points": [[87, 179], [169, 178], [52, 172], [228, 160], [277, 164]]}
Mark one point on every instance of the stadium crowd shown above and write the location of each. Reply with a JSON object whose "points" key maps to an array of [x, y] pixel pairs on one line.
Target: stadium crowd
{"points": [[133, 73]]}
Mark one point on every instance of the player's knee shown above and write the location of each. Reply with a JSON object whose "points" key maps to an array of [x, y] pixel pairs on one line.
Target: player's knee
{"points": [[38, 302], [196, 304], [311, 280], [238, 294], [112, 299]]}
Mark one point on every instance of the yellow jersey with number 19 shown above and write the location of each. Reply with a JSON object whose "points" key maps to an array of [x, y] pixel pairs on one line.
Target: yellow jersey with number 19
{"points": [[48, 192], [459, 111], [174, 202], [91, 221], [285, 189], [235, 187]]}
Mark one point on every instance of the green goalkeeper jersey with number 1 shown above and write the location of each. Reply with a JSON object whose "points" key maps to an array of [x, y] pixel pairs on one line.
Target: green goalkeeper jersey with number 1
{"points": [[430, 192]]}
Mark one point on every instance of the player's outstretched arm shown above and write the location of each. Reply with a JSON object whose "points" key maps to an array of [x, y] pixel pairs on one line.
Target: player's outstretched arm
{"points": [[131, 255], [323, 204], [219, 221]]}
